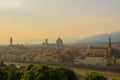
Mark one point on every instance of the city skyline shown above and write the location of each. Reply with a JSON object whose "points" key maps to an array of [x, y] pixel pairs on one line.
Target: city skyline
{"points": [[38, 19]]}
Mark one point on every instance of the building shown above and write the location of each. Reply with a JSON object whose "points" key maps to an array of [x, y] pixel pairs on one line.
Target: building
{"points": [[98, 56], [45, 44], [101, 51], [94, 61], [109, 46], [58, 44], [111, 61], [11, 41]]}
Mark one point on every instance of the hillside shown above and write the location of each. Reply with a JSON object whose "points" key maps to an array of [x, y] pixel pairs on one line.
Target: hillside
{"points": [[115, 36]]}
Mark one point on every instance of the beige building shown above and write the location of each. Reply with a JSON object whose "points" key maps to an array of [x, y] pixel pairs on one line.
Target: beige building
{"points": [[100, 51], [95, 61], [58, 44], [99, 56], [118, 62]]}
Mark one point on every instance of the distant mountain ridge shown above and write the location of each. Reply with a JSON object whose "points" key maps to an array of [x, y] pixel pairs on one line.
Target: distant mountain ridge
{"points": [[115, 37]]}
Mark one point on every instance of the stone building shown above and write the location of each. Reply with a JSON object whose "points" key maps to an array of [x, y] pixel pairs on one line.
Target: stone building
{"points": [[100, 51], [118, 62], [99, 56], [95, 61], [58, 44], [111, 61], [45, 44], [11, 41]]}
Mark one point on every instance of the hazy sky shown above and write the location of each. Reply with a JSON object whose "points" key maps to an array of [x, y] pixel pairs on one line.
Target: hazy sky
{"points": [[38, 19]]}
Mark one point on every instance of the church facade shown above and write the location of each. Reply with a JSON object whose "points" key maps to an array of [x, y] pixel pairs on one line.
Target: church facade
{"points": [[100, 51]]}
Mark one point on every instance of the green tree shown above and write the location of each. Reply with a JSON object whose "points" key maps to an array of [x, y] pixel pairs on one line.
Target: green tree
{"points": [[45, 72], [93, 76], [3, 74], [13, 72], [70, 74]]}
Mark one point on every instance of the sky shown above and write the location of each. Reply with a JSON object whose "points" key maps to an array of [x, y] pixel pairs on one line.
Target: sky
{"points": [[26, 20]]}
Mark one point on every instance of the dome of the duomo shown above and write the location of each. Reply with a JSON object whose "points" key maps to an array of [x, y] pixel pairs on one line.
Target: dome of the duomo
{"points": [[59, 42]]}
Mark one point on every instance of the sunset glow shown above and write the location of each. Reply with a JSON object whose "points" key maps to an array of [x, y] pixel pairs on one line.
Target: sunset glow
{"points": [[39, 19]]}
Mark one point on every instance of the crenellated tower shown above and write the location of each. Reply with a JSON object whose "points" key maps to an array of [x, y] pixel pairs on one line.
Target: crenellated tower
{"points": [[11, 42], [109, 46]]}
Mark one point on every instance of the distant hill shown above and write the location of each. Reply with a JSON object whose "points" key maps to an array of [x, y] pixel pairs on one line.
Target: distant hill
{"points": [[115, 36]]}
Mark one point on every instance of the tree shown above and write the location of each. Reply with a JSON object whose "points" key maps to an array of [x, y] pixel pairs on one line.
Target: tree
{"points": [[3, 74], [13, 72], [70, 74], [93, 76], [45, 72]]}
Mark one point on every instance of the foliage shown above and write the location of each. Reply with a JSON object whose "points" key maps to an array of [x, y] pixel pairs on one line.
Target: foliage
{"points": [[93, 76], [44, 72], [3, 74], [9, 72], [13, 73]]}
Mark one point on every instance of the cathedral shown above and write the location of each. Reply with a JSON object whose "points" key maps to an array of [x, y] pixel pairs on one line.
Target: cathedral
{"points": [[100, 51], [59, 43]]}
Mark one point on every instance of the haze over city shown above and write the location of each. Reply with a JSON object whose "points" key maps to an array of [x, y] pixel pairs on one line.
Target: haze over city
{"points": [[39, 19], [59, 39]]}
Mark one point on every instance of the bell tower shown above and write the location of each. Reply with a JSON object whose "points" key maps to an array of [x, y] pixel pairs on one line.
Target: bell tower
{"points": [[11, 41], [109, 46]]}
